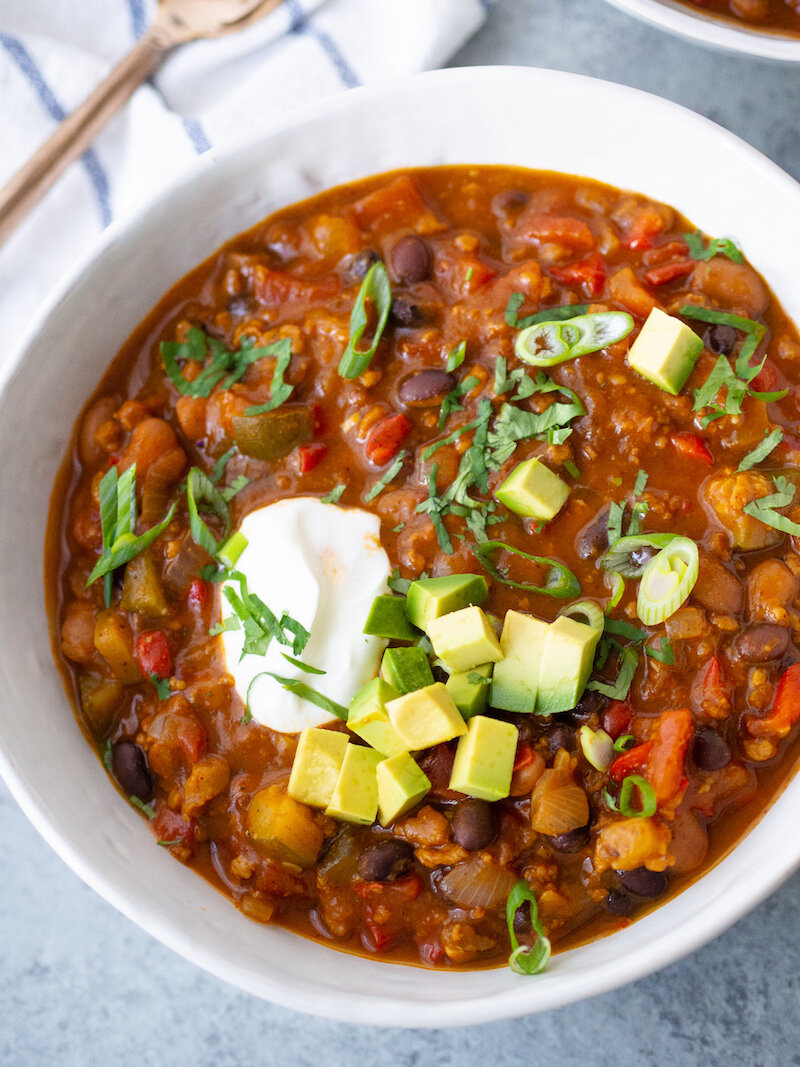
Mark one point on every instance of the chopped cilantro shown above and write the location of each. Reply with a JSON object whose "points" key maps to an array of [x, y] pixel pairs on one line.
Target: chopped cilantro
{"points": [[763, 509], [335, 495], [571, 469], [452, 402], [280, 390], [456, 357], [390, 475], [200, 490], [198, 346], [145, 808], [717, 246], [762, 450], [162, 686]]}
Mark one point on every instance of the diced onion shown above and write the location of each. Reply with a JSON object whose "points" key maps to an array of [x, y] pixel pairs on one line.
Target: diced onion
{"points": [[597, 746], [475, 884], [558, 810], [667, 581]]}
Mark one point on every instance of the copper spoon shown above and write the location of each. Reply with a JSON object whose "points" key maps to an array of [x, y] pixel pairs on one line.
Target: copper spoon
{"points": [[175, 23]]}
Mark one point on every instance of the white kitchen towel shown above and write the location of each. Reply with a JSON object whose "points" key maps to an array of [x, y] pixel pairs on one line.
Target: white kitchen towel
{"points": [[53, 52]]}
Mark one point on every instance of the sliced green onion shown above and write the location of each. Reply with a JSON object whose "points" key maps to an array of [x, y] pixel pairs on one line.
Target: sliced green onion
{"points": [[549, 343], [305, 692], [617, 590], [622, 744], [618, 556], [597, 747], [389, 476], [526, 959], [377, 289], [560, 581], [618, 690], [647, 798], [667, 581], [201, 490], [589, 610], [232, 549]]}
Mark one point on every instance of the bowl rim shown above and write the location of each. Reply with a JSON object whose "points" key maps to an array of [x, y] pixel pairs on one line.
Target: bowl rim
{"points": [[381, 1008], [714, 32]]}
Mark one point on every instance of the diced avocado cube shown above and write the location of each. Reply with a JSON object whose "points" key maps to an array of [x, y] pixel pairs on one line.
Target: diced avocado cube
{"points": [[665, 351], [515, 679], [485, 759], [387, 618], [532, 490], [316, 766], [283, 827], [368, 719], [406, 669], [463, 639], [429, 598], [401, 785], [470, 689], [355, 795], [566, 665], [426, 717]]}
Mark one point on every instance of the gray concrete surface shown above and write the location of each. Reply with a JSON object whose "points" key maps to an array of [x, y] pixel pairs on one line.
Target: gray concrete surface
{"points": [[79, 984]]}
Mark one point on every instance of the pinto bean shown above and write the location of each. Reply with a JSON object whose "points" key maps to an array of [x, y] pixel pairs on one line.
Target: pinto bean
{"points": [[771, 588], [717, 588], [101, 411], [77, 632], [425, 387], [733, 285], [760, 643]]}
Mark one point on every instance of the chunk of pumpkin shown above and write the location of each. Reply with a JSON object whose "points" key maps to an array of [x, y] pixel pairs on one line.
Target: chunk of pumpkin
{"points": [[100, 698], [113, 639], [630, 843], [284, 827]]}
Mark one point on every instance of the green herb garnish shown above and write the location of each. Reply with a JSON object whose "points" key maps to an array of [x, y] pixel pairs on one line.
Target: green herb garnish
{"points": [[305, 692], [389, 476], [200, 491], [335, 495], [628, 662], [452, 402], [762, 450], [118, 516], [717, 246], [560, 581], [634, 783], [161, 684], [623, 743], [526, 959], [456, 356], [197, 347], [763, 509], [565, 311], [377, 289], [280, 390], [145, 808]]}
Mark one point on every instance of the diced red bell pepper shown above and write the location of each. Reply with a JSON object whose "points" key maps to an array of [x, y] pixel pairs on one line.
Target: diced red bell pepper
{"points": [[715, 689], [785, 710], [380, 937], [616, 718], [672, 250], [669, 272], [634, 761], [555, 229], [199, 594], [665, 771], [318, 423], [692, 446], [170, 826], [591, 273], [384, 439], [392, 894], [766, 380], [153, 654], [644, 229], [311, 455], [524, 756], [276, 287]]}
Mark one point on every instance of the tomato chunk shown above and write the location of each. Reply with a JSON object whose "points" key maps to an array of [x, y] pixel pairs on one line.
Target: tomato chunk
{"points": [[633, 761], [692, 446], [310, 456], [785, 710], [385, 439], [669, 272], [153, 654], [591, 273], [556, 229], [665, 763]]}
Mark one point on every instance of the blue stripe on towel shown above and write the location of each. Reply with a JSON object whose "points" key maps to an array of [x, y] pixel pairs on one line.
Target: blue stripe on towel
{"points": [[138, 17], [302, 25], [197, 135], [26, 64]]}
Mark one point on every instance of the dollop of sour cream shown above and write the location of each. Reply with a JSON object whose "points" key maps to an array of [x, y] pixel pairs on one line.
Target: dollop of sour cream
{"points": [[323, 565]]}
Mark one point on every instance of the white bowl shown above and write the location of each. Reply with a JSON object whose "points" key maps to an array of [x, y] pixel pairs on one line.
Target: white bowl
{"points": [[730, 36], [484, 115]]}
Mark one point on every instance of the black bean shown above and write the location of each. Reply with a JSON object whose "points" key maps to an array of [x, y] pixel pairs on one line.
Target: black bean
{"points": [[129, 764], [643, 883], [763, 642], [593, 538], [560, 735], [522, 919], [425, 386], [385, 861], [709, 751], [358, 264], [591, 703], [405, 314], [510, 201], [720, 338], [475, 823], [572, 840], [411, 259], [619, 903]]}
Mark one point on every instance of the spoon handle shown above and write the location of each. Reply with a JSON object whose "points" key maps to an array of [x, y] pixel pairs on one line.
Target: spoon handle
{"points": [[27, 187]]}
